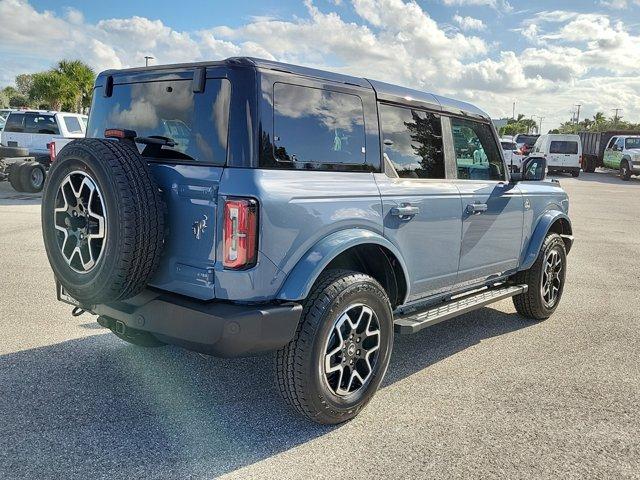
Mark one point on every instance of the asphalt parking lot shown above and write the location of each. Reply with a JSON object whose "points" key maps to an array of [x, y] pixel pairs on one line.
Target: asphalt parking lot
{"points": [[485, 395]]}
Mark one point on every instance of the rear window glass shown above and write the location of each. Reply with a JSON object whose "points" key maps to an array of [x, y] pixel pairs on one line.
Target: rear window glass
{"points": [[527, 139], [72, 124], [561, 146], [196, 122], [509, 146], [15, 123], [43, 124], [313, 125]]}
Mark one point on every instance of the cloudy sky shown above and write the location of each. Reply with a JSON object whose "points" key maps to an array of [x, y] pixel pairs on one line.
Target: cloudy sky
{"points": [[548, 57]]}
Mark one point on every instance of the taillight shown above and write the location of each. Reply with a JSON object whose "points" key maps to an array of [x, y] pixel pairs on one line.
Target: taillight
{"points": [[240, 233], [52, 150]]}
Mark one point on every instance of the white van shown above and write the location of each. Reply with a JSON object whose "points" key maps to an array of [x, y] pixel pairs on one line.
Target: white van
{"points": [[33, 130], [562, 151]]}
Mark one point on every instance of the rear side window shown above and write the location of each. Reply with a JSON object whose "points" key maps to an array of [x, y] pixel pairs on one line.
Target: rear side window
{"points": [[632, 143], [477, 154], [412, 142], [196, 122], [43, 124], [15, 123], [562, 146], [72, 124], [313, 125]]}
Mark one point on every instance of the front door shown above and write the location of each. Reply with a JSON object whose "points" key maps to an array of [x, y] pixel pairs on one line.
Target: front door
{"points": [[421, 206], [491, 208]]}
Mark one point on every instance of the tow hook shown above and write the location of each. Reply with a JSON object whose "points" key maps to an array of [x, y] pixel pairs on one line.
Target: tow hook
{"points": [[119, 327], [77, 311]]}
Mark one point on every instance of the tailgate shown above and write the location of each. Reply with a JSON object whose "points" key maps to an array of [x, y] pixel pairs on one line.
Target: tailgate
{"points": [[189, 254]]}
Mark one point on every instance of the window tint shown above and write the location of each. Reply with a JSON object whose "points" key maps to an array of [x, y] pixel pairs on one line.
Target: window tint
{"points": [[37, 123], [632, 143], [196, 122], [620, 142], [72, 124], [15, 123], [477, 154], [561, 146], [508, 146], [612, 142], [317, 126], [412, 142]]}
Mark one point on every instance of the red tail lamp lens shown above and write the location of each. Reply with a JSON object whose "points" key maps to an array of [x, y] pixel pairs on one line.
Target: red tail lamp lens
{"points": [[240, 242]]}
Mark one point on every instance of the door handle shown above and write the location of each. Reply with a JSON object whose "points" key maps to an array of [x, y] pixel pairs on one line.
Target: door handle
{"points": [[406, 210], [476, 208]]}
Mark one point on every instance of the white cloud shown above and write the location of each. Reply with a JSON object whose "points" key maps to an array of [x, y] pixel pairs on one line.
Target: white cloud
{"points": [[619, 4], [502, 5], [570, 59], [469, 23]]}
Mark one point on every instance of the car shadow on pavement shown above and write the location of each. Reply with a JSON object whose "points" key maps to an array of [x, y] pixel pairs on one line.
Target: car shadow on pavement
{"points": [[610, 177], [96, 407]]}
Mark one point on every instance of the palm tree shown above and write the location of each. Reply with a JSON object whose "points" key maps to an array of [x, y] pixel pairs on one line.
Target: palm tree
{"points": [[82, 77]]}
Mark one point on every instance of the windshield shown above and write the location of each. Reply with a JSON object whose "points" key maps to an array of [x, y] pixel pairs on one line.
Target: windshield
{"points": [[633, 142], [196, 123]]}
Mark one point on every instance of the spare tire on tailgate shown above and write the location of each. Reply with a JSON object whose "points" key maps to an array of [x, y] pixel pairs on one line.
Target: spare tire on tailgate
{"points": [[102, 220]]}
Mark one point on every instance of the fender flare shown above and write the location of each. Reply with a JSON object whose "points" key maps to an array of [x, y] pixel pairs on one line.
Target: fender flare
{"points": [[298, 283], [545, 222]]}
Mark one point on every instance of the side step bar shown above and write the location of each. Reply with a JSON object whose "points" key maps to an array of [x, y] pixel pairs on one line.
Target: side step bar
{"points": [[416, 321]]}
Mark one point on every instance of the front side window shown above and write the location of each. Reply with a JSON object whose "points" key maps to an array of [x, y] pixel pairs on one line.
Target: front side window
{"points": [[196, 123], [620, 143], [313, 125], [45, 124], [561, 146], [72, 124], [15, 123], [630, 143], [412, 142], [477, 154]]}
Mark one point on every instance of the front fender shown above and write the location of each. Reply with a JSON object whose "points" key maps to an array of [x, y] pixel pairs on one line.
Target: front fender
{"points": [[302, 277], [537, 239]]}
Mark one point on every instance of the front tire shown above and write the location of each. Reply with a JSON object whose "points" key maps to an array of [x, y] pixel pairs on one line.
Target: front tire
{"points": [[545, 280], [341, 349], [625, 171]]}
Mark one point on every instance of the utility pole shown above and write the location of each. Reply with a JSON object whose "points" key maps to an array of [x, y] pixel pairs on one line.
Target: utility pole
{"points": [[578, 118], [146, 60], [540, 124], [615, 118], [513, 115]]}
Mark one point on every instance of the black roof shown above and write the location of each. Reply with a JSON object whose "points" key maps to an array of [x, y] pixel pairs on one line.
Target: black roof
{"points": [[384, 91]]}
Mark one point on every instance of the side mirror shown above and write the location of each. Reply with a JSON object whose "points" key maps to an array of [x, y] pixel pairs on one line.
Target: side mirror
{"points": [[534, 169]]}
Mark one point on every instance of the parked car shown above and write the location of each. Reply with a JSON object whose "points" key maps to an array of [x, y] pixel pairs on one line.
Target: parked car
{"points": [[562, 151], [302, 211], [611, 150], [33, 130], [511, 154]]}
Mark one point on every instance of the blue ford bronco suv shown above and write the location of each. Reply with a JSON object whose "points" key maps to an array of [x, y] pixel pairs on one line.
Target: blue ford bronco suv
{"points": [[244, 206]]}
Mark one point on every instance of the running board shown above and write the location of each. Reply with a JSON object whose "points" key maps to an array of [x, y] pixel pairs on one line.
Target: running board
{"points": [[416, 321]]}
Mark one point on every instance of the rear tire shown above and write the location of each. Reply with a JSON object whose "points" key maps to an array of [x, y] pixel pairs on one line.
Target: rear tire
{"points": [[15, 178], [589, 165], [575, 173], [534, 304], [32, 176], [625, 171], [312, 369], [12, 152]]}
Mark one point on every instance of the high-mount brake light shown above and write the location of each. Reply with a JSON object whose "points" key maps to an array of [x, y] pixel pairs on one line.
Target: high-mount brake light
{"points": [[119, 133], [240, 230]]}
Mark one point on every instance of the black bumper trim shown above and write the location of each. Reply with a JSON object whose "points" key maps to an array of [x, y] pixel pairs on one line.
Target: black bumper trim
{"points": [[214, 328]]}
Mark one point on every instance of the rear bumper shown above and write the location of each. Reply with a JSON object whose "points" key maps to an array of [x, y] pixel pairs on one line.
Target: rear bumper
{"points": [[214, 328]]}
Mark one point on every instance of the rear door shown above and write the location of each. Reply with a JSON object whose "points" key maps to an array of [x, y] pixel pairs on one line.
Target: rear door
{"points": [[187, 173], [565, 151], [421, 204], [491, 208]]}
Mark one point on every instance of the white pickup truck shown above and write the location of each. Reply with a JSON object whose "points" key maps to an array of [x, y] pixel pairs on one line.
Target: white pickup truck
{"points": [[29, 143]]}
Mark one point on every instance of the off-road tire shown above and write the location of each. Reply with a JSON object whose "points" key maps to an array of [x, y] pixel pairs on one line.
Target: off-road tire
{"points": [[30, 179], [625, 171], [15, 178], [134, 218], [12, 152], [531, 304], [299, 364]]}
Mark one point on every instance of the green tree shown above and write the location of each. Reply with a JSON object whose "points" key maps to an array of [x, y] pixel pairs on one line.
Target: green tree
{"points": [[24, 81], [82, 78], [53, 88]]}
